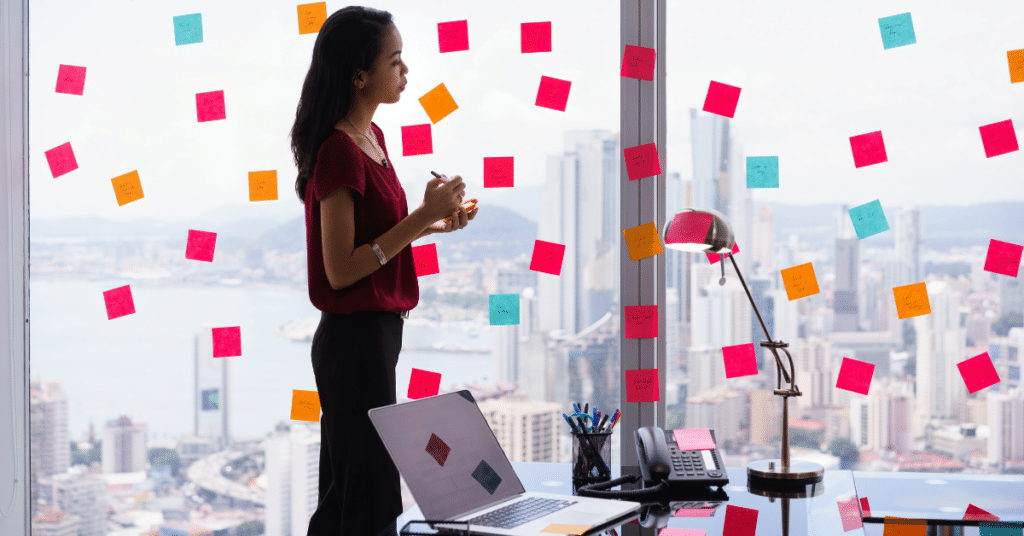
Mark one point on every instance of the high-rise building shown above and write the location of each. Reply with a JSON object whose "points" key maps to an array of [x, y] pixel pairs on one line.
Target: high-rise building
{"points": [[762, 246], [82, 495], [764, 417], [814, 365], [1011, 296], [527, 430], [292, 466], [211, 393], [1006, 354], [721, 410], [1006, 427], [847, 272], [721, 314], [908, 242], [48, 435], [940, 346], [881, 420], [124, 446]]}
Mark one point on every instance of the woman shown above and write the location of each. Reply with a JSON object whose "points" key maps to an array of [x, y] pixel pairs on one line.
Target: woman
{"points": [[361, 271]]}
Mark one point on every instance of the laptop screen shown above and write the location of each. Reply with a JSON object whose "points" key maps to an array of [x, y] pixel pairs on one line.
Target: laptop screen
{"points": [[447, 454]]}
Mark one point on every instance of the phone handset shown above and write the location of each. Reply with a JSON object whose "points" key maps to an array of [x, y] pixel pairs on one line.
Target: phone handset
{"points": [[652, 455]]}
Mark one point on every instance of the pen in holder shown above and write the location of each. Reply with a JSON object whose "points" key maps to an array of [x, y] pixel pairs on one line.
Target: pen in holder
{"points": [[591, 457]]}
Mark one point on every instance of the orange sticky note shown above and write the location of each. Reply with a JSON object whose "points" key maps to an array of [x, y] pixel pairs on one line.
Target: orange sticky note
{"points": [[642, 241], [127, 188], [898, 526], [263, 185], [305, 406], [800, 281], [1015, 59], [438, 103], [911, 300], [566, 529], [311, 17]]}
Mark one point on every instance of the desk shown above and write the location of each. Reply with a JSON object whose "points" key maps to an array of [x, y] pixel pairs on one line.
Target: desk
{"points": [[813, 516]]}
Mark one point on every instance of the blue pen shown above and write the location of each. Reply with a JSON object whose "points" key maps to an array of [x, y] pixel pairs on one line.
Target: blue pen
{"points": [[596, 413], [571, 427], [575, 407]]}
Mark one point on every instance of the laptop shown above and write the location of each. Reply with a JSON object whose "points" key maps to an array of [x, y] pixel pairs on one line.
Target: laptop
{"points": [[457, 471]]}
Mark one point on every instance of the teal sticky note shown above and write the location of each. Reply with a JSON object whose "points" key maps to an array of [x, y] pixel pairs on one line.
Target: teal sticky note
{"points": [[996, 528], [868, 219], [504, 309], [188, 29], [897, 31], [762, 172]]}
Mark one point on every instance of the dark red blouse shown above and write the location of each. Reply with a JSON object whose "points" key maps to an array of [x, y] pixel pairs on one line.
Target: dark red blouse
{"points": [[379, 205]]}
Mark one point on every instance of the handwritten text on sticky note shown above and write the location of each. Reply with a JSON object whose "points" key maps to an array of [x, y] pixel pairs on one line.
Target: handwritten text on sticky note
{"points": [[642, 161], [70, 79], [721, 99], [210, 106], [641, 321], [547, 257], [911, 300], [61, 160], [553, 93], [425, 259], [311, 17], [1003, 258], [855, 375], [127, 188], [642, 385], [200, 245], [868, 149], [535, 37], [638, 62], [416, 140], [453, 36], [188, 29], [499, 171], [305, 406], [423, 383], [263, 185], [762, 172], [800, 281], [642, 241], [868, 219], [897, 31], [504, 309]]}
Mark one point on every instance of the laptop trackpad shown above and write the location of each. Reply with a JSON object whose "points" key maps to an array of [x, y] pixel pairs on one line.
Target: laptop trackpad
{"points": [[575, 518]]}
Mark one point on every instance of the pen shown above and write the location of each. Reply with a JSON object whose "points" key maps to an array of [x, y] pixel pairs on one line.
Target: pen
{"points": [[586, 407], [571, 427], [582, 424], [576, 407], [604, 420], [434, 173], [616, 420], [597, 414]]}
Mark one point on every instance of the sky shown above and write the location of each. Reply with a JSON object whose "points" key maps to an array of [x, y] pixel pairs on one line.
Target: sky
{"points": [[811, 74]]}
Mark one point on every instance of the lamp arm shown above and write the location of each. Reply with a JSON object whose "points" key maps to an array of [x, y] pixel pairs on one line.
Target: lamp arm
{"points": [[771, 342]]}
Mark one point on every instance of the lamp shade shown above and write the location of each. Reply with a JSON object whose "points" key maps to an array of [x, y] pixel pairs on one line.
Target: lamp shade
{"points": [[699, 230]]}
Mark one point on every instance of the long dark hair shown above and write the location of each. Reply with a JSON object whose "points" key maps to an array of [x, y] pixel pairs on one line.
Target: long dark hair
{"points": [[349, 40]]}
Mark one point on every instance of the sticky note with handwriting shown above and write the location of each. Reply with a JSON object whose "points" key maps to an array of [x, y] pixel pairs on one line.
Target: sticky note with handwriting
{"points": [[416, 140], [715, 257], [739, 521], [504, 309], [694, 439], [1015, 61], [638, 62], [561, 528], [899, 526], [535, 37], [200, 245], [499, 171], [855, 375], [119, 302], [210, 106], [61, 160], [721, 99], [641, 321], [127, 188], [263, 185], [800, 281], [486, 476], [868, 219], [438, 449], [642, 161], [311, 17], [70, 79], [689, 227], [1003, 258], [974, 513], [227, 342], [547, 257], [642, 241], [438, 103], [305, 406], [423, 383], [762, 172], [740, 360], [897, 31], [911, 300], [553, 93], [425, 259], [998, 138], [188, 29], [868, 149], [849, 513], [978, 372], [642, 385], [453, 36]]}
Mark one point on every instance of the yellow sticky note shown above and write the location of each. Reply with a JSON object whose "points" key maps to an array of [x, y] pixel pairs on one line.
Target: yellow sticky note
{"points": [[263, 185], [127, 188], [800, 281], [898, 526], [566, 529], [1016, 60], [438, 103], [912, 300], [305, 406], [642, 241], [311, 17]]}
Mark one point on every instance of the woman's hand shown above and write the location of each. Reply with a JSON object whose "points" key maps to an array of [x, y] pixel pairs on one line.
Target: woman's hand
{"points": [[457, 220], [443, 198]]}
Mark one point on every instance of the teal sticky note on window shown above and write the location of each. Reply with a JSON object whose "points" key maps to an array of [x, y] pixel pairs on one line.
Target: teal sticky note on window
{"points": [[762, 172], [868, 219], [897, 31], [504, 309], [188, 29]]}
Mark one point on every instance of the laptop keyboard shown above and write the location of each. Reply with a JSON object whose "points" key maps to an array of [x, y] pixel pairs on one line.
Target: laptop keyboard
{"points": [[520, 512]]}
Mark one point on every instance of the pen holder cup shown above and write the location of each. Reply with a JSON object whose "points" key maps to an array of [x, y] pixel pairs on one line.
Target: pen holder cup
{"points": [[591, 457]]}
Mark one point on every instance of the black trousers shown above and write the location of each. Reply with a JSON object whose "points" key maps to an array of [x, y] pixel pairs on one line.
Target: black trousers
{"points": [[354, 360]]}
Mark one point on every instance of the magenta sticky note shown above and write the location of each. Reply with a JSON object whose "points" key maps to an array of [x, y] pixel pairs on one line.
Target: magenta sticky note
{"points": [[978, 372], [71, 79], [740, 360], [227, 342], [210, 106], [849, 513], [868, 149], [453, 36], [855, 375], [61, 160], [119, 302], [668, 531], [642, 385], [974, 513], [416, 140], [739, 521], [553, 93], [694, 439], [423, 383], [200, 245], [547, 257], [865, 508], [689, 228], [721, 99], [642, 161], [638, 62], [535, 37], [998, 138], [641, 321], [1003, 258], [713, 257], [499, 171], [425, 259]]}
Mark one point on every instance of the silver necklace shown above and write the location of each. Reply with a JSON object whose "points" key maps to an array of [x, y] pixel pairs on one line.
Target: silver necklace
{"points": [[384, 159]]}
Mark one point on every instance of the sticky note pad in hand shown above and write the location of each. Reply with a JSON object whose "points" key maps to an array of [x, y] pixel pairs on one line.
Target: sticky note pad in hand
{"points": [[740, 360], [641, 321], [978, 372], [897, 31], [998, 138], [210, 106], [453, 36], [642, 161], [200, 245], [694, 439], [721, 99], [535, 37], [800, 281], [868, 149], [119, 302], [227, 342], [642, 241], [504, 309], [70, 79], [61, 160], [305, 406], [499, 171], [638, 62], [263, 185], [425, 259], [547, 257], [423, 383], [416, 140], [553, 93], [438, 103], [855, 375], [642, 385], [127, 188], [911, 300], [311, 17], [1003, 258], [762, 172], [868, 219], [739, 521]]}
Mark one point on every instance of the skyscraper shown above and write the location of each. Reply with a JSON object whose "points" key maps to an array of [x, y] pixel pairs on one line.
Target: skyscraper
{"points": [[124, 446], [527, 430], [1006, 425], [940, 346], [211, 392], [293, 471], [908, 242], [847, 271], [762, 244], [882, 419], [48, 434]]}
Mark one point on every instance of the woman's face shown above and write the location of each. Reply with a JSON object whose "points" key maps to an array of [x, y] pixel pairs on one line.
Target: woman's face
{"points": [[386, 79]]}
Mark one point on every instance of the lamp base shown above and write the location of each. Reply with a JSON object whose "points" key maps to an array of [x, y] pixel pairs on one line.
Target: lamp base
{"points": [[770, 473]]}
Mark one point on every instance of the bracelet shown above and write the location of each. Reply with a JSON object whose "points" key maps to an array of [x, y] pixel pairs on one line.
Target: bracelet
{"points": [[380, 254]]}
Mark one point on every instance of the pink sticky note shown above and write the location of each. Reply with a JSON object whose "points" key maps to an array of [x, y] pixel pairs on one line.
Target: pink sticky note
{"points": [[416, 140], [423, 383], [642, 161], [119, 302], [535, 36], [638, 62], [553, 93], [499, 171], [978, 372], [868, 149], [641, 321], [740, 360], [453, 36], [977, 514], [865, 508], [667, 531], [855, 375], [547, 257], [200, 245], [713, 257], [849, 513], [61, 160], [642, 385], [227, 342], [1003, 258], [425, 259], [721, 99], [689, 228], [998, 138], [70, 79], [694, 439], [210, 106], [694, 512], [739, 521]]}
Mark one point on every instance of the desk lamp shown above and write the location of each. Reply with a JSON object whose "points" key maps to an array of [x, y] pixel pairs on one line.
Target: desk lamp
{"points": [[707, 231]]}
